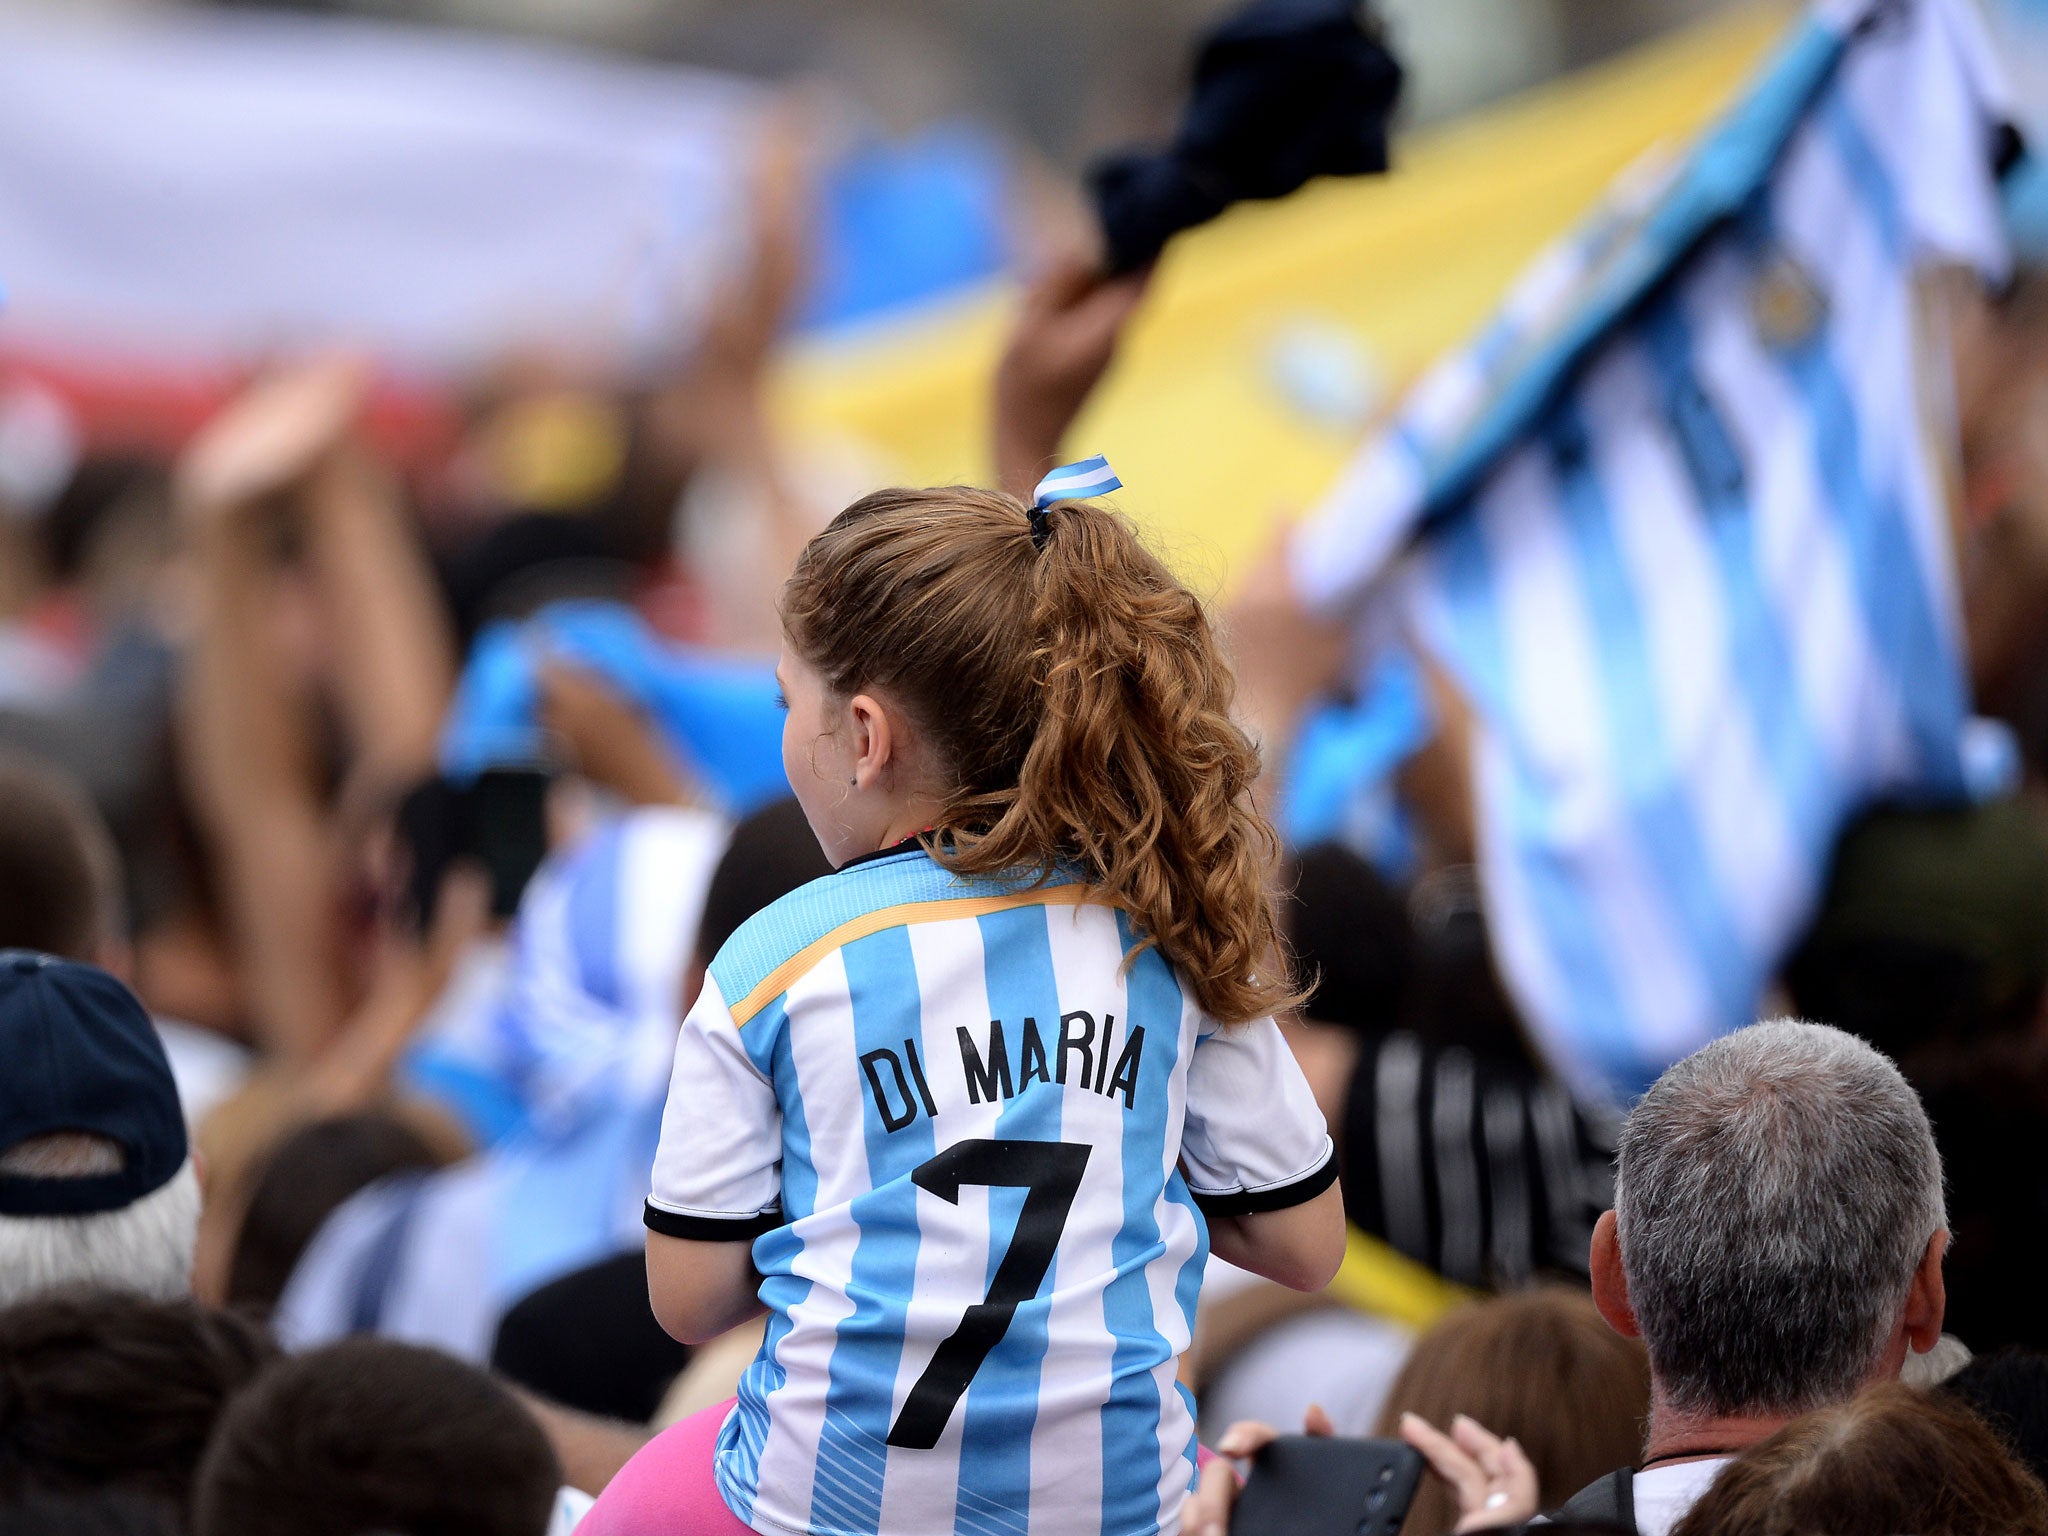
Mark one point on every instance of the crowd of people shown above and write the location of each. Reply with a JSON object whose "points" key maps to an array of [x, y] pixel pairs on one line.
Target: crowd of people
{"points": [[406, 1128]]}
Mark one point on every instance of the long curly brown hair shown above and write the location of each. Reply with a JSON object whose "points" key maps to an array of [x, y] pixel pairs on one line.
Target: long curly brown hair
{"points": [[1080, 704]]}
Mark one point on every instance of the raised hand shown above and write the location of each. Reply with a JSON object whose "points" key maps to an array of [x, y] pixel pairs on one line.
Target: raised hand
{"points": [[271, 438], [1208, 1510], [1063, 341], [1491, 1476]]}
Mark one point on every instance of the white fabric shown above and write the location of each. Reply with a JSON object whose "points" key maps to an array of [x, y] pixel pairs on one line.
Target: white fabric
{"points": [[222, 184], [1340, 1360], [206, 1066], [838, 1101], [571, 1505], [593, 991], [1664, 1494], [1702, 599]]}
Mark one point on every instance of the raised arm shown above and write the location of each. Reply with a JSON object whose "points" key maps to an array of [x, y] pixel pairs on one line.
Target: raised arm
{"points": [[1064, 338], [394, 666], [246, 741]]}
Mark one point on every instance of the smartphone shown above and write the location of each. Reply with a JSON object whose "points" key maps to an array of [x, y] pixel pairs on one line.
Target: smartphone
{"points": [[498, 819], [1322, 1485]]}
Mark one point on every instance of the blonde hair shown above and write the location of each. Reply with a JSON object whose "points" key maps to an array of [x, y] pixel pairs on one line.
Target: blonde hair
{"points": [[1079, 704]]}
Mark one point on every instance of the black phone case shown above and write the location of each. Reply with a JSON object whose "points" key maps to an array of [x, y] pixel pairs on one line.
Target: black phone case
{"points": [[1308, 1485]]}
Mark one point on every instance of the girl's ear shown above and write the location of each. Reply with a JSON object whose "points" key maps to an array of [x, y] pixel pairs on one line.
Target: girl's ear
{"points": [[875, 743]]}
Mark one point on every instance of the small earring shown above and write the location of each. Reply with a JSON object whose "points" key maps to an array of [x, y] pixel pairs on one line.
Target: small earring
{"points": [[853, 783]]}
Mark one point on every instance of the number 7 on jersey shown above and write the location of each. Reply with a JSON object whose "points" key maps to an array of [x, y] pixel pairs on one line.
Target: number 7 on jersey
{"points": [[1050, 1172]]}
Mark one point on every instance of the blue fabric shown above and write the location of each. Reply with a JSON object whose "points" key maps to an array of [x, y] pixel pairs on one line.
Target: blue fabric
{"points": [[1076, 482], [902, 223], [719, 712], [1720, 176], [1340, 770], [811, 911]]}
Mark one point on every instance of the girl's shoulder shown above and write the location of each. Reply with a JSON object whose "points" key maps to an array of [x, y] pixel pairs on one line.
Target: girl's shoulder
{"points": [[778, 944]]}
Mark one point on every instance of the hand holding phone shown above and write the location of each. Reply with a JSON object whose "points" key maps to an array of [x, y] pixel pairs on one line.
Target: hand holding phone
{"points": [[1312, 1485]]}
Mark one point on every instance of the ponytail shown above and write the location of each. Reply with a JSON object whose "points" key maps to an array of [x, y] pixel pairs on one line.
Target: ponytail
{"points": [[1078, 700]]}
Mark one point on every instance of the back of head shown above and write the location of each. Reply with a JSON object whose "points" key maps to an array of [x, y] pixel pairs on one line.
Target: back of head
{"points": [[1539, 1366], [96, 1184], [1348, 929], [1775, 1194], [60, 884], [1933, 930], [371, 1435], [312, 1171], [1889, 1461], [1077, 707], [109, 1390]]}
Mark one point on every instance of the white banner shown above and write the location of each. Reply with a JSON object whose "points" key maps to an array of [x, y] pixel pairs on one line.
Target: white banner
{"points": [[208, 186]]}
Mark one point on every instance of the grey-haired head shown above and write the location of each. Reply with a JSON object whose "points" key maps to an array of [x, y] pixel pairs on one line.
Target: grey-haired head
{"points": [[1776, 1196]]}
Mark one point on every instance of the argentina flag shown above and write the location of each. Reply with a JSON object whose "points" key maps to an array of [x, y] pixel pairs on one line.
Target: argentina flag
{"points": [[1676, 523]]}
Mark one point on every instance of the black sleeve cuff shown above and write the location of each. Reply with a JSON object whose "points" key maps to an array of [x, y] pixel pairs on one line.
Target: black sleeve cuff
{"points": [[1253, 1202], [712, 1229]]}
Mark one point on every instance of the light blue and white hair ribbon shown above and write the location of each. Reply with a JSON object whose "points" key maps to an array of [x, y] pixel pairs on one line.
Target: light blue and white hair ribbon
{"points": [[1076, 482], [1070, 482]]}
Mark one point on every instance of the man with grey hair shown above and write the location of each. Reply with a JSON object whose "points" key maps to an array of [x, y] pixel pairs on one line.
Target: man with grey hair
{"points": [[1776, 1243], [97, 1185]]}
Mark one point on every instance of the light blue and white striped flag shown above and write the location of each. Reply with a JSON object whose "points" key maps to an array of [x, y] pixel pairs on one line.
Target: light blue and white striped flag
{"points": [[1676, 523], [1078, 481]]}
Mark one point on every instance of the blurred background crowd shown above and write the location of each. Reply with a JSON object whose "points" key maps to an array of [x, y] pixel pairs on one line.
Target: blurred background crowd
{"points": [[407, 417]]}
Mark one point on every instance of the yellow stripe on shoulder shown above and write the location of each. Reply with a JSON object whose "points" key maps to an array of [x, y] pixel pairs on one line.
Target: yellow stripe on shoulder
{"points": [[786, 975]]}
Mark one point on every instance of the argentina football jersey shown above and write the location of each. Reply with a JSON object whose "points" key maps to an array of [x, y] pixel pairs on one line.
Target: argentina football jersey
{"points": [[972, 1148]]}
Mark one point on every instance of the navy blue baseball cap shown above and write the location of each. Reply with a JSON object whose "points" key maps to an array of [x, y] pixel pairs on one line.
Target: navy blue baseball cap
{"points": [[78, 1053]]}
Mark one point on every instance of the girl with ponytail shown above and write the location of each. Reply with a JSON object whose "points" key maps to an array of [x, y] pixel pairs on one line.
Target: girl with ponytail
{"points": [[966, 1117]]}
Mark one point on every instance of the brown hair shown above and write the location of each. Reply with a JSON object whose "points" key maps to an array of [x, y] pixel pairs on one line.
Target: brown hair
{"points": [[60, 881], [108, 1390], [373, 1435], [1890, 1459], [1076, 697], [1538, 1366]]}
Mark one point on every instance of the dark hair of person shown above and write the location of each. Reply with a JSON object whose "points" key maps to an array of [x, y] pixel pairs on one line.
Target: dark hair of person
{"points": [[1988, 1102], [2008, 1390], [106, 490], [59, 875], [103, 1390], [771, 852], [1348, 930], [372, 1435], [1537, 1365], [1889, 1460], [1078, 708], [312, 1171], [104, 1513]]}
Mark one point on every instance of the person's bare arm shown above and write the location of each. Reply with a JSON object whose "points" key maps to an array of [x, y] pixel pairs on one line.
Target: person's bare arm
{"points": [[1065, 336], [715, 412], [1300, 1247], [700, 1290], [609, 741], [395, 657], [246, 743], [355, 1069]]}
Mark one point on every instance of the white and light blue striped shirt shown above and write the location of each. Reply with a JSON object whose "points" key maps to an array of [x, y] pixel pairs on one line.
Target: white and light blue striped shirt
{"points": [[973, 1151], [1676, 524]]}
